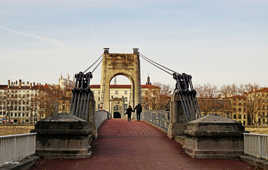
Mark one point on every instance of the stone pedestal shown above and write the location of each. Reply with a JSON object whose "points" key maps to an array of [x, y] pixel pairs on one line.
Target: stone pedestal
{"points": [[175, 129], [63, 136], [214, 137], [177, 117]]}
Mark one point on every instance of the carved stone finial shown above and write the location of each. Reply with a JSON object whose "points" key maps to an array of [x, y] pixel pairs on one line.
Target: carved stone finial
{"points": [[106, 50]]}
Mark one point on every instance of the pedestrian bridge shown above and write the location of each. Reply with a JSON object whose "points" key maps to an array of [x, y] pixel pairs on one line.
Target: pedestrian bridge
{"points": [[138, 146]]}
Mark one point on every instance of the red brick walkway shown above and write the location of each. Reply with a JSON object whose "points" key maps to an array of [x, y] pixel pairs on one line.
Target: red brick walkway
{"points": [[135, 145]]}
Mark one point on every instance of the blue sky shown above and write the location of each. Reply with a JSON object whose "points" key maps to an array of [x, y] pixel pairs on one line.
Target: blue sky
{"points": [[217, 42]]}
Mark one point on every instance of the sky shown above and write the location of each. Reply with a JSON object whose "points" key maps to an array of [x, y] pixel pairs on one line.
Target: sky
{"points": [[216, 41]]}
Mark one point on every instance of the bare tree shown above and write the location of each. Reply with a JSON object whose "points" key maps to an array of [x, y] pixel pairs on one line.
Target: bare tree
{"points": [[253, 105], [229, 90], [214, 105], [47, 100], [206, 90], [165, 89], [251, 87]]}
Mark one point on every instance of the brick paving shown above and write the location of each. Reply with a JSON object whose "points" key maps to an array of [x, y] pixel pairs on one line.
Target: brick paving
{"points": [[136, 145]]}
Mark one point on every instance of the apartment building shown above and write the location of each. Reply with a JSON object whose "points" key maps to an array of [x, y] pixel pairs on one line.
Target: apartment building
{"points": [[239, 110], [257, 106], [19, 103]]}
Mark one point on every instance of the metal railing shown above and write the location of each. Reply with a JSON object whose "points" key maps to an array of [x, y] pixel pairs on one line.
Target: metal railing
{"points": [[14, 148], [256, 145], [159, 118]]}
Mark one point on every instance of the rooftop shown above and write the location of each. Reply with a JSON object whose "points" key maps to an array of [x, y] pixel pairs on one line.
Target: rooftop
{"points": [[124, 86]]}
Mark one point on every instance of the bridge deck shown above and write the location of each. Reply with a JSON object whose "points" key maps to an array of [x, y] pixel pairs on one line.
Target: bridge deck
{"points": [[135, 145]]}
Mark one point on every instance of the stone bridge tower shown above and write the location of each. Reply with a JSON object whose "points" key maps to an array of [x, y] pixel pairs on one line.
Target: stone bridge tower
{"points": [[114, 64]]}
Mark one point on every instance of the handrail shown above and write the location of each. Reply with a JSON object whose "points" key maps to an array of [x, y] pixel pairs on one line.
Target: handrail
{"points": [[158, 118], [255, 134], [256, 145], [14, 148], [18, 135]]}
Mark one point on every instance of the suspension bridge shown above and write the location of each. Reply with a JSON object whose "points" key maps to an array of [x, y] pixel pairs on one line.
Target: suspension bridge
{"points": [[175, 139]]}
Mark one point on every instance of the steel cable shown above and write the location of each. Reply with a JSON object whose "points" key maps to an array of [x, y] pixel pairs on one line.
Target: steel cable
{"points": [[92, 64], [158, 63], [97, 66]]}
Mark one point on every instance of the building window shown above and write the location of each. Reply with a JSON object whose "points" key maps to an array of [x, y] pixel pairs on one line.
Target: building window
{"points": [[234, 116], [239, 116], [116, 91], [116, 107], [125, 91]]}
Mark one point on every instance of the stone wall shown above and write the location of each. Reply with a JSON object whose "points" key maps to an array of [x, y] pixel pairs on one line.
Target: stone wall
{"points": [[100, 117]]}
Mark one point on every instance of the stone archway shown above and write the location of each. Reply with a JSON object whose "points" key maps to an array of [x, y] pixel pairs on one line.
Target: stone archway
{"points": [[126, 64]]}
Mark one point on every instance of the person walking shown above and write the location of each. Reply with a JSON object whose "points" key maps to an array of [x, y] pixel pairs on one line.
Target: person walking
{"points": [[138, 109], [129, 112]]}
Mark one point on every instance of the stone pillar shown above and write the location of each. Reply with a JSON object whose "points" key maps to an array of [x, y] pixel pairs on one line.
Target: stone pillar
{"points": [[177, 117], [137, 81], [214, 137], [63, 136], [91, 115], [105, 93]]}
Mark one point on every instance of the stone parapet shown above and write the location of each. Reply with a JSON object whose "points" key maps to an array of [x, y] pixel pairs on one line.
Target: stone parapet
{"points": [[214, 126], [214, 137], [63, 136]]}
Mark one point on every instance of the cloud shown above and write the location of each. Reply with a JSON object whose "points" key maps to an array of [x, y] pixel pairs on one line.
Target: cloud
{"points": [[34, 36]]}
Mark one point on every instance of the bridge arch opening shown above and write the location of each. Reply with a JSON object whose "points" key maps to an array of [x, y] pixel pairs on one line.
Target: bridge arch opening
{"points": [[124, 64], [121, 94]]}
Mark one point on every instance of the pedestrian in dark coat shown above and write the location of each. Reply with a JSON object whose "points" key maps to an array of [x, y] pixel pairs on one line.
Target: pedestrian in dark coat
{"points": [[129, 112], [138, 109]]}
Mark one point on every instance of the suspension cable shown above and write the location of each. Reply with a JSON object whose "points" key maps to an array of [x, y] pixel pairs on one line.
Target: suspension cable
{"points": [[97, 66], [92, 64], [158, 64]]}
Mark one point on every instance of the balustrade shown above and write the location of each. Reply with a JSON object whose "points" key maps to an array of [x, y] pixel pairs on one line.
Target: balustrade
{"points": [[256, 145], [14, 148], [159, 118]]}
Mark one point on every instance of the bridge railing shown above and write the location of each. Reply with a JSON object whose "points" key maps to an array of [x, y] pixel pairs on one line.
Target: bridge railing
{"points": [[158, 118], [256, 145], [14, 148], [100, 117]]}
